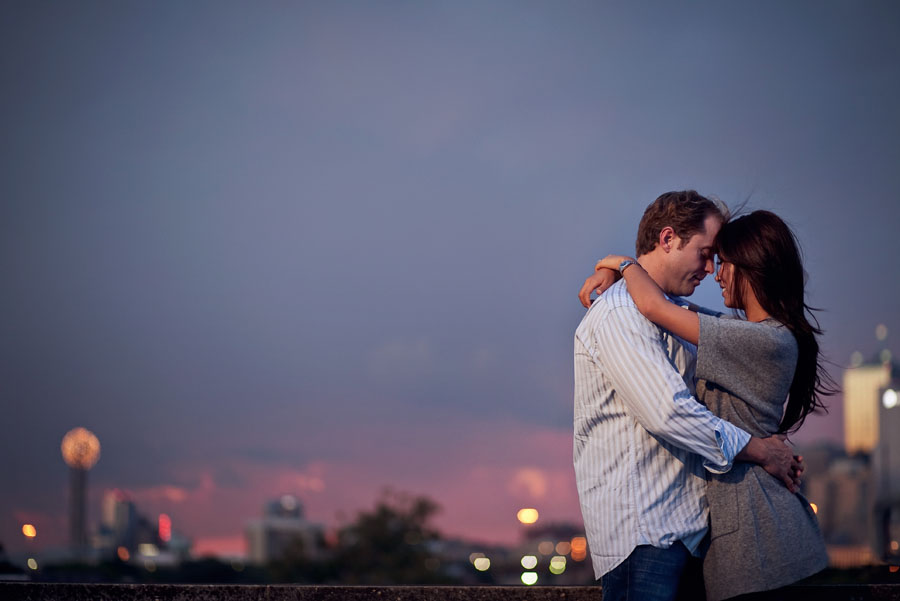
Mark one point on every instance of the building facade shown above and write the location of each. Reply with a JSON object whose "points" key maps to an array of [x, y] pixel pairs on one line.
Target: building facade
{"points": [[862, 399]]}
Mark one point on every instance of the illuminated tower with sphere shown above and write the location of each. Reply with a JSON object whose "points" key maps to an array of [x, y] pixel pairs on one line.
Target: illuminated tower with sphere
{"points": [[80, 450]]}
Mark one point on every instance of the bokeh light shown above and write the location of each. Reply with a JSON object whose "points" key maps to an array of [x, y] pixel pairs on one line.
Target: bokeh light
{"points": [[29, 530], [148, 549], [579, 548], [123, 554], [881, 331], [527, 515], [557, 564], [32, 563], [856, 359], [563, 547], [529, 578], [546, 547], [474, 556], [529, 561], [165, 528], [889, 399], [815, 507], [482, 564]]}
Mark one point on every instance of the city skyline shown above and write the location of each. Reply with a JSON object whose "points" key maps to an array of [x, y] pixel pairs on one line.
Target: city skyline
{"points": [[323, 249]]}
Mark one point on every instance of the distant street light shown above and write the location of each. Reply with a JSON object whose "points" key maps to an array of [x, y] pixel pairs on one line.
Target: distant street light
{"points": [[527, 515]]}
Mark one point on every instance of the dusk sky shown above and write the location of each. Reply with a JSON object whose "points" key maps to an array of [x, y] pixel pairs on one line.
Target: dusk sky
{"points": [[325, 248]]}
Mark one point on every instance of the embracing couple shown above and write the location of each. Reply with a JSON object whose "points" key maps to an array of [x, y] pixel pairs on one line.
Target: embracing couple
{"points": [[680, 411]]}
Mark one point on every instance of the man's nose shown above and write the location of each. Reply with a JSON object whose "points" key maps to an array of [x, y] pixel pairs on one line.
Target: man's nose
{"points": [[710, 266]]}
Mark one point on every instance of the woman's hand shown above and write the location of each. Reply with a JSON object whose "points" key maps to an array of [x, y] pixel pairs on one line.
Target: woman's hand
{"points": [[598, 281], [611, 262], [606, 273]]}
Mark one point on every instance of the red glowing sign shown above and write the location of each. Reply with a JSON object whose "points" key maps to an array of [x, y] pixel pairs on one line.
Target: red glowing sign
{"points": [[165, 528]]}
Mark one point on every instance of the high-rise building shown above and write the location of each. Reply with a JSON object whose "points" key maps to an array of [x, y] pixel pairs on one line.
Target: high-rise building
{"points": [[125, 533], [282, 527], [119, 520], [886, 475], [862, 399], [842, 495]]}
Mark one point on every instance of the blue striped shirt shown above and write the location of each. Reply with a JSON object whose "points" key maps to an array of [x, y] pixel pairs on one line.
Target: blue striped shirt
{"points": [[641, 439]]}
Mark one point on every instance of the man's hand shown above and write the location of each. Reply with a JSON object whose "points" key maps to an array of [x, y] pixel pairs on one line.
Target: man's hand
{"points": [[776, 457], [598, 281], [798, 471]]}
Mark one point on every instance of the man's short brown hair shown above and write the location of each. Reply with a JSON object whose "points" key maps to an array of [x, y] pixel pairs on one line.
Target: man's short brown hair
{"points": [[683, 211]]}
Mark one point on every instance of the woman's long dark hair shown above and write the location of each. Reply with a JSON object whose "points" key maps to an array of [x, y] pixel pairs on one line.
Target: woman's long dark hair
{"points": [[765, 253]]}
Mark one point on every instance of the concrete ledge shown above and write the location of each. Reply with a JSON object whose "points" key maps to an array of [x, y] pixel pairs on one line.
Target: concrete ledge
{"points": [[30, 591]]}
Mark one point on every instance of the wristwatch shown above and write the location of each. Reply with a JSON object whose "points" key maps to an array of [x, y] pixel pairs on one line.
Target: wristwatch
{"points": [[625, 264]]}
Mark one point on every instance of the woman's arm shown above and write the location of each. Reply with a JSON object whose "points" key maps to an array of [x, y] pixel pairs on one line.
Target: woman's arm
{"points": [[652, 302]]}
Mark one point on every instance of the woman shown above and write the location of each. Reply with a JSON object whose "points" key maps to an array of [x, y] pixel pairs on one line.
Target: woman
{"points": [[762, 536]]}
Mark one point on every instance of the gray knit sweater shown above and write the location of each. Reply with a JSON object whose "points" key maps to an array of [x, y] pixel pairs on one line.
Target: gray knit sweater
{"points": [[761, 535]]}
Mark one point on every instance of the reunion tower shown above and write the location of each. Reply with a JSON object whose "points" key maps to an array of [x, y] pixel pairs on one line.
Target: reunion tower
{"points": [[80, 450]]}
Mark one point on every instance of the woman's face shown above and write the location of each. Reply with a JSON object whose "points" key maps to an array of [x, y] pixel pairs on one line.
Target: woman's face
{"points": [[725, 277]]}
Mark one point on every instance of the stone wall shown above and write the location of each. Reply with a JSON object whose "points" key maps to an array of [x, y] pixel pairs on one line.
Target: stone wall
{"points": [[16, 591]]}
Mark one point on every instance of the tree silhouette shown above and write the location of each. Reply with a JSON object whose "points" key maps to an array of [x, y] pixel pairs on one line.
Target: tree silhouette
{"points": [[393, 544]]}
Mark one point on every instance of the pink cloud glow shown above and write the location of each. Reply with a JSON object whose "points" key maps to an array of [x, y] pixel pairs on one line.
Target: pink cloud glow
{"points": [[480, 483]]}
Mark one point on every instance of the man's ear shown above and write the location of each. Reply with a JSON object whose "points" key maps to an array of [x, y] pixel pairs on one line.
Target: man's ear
{"points": [[667, 238]]}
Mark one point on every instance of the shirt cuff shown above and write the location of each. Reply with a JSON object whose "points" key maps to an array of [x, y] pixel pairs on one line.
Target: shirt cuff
{"points": [[730, 440]]}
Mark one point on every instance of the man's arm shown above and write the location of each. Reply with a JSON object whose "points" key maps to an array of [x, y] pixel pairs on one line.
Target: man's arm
{"points": [[636, 363]]}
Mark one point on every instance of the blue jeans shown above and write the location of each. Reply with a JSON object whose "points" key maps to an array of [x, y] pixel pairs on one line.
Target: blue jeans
{"points": [[653, 574]]}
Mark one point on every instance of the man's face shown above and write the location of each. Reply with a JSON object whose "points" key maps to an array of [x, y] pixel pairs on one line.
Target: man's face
{"points": [[687, 265]]}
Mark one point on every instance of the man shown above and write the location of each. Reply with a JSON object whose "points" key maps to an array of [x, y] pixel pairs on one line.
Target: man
{"points": [[641, 439]]}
